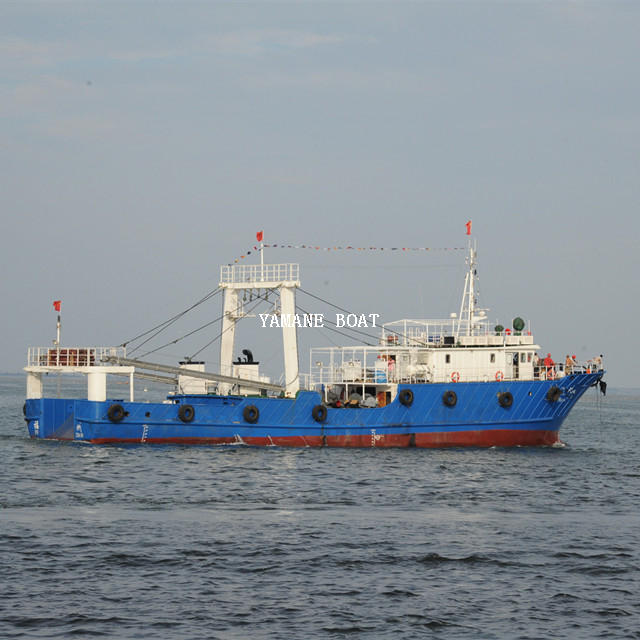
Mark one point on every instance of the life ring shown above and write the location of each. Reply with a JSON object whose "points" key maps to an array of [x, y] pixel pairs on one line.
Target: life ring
{"points": [[455, 377], [406, 397], [499, 376], [251, 414], [186, 413], [553, 394], [115, 412], [505, 399], [319, 413], [450, 398]]}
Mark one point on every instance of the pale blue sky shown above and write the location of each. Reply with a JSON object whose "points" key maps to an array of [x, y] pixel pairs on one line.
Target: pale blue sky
{"points": [[144, 144]]}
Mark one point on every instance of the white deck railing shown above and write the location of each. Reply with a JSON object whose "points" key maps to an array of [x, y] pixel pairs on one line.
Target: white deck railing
{"points": [[72, 356]]}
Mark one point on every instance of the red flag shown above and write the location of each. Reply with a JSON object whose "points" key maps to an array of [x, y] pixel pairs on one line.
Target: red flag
{"points": [[468, 225], [57, 304], [259, 236]]}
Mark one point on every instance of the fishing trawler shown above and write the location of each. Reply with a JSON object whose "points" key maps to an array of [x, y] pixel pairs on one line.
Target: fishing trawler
{"points": [[426, 383]]}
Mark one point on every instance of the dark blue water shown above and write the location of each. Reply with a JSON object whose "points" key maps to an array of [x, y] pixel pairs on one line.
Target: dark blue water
{"points": [[239, 542]]}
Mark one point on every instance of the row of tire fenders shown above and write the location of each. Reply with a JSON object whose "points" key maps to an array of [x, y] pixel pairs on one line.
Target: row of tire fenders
{"points": [[251, 413], [450, 397]]}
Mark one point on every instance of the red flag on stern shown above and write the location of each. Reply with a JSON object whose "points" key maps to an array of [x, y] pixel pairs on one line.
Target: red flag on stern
{"points": [[259, 236], [57, 304], [468, 225]]}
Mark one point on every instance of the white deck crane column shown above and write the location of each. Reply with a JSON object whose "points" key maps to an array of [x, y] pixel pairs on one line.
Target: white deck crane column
{"points": [[279, 279], [289, 342], [231, 315]]}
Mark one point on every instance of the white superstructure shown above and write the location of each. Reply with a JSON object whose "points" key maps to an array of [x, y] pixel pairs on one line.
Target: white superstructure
{"points": [[463, 348]]}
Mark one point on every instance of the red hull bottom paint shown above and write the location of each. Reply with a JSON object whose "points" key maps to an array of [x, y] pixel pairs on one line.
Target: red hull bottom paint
{"points": [[494, 438]]}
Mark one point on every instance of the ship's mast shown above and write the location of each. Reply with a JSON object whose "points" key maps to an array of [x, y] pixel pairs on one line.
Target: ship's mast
{"points": [[469, 313]]}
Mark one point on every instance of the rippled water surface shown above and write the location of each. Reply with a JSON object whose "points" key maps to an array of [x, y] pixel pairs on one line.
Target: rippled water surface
{"points": [[238, 542]]}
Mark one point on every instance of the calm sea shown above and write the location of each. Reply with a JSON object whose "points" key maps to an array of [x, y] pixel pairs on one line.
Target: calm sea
{"points": [[239, 542]]}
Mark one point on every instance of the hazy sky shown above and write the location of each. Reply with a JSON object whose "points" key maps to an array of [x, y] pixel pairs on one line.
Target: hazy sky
{"points": [[144, 144]]}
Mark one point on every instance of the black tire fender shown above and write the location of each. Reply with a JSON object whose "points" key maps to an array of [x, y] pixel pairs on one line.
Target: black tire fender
{"points": [[251, 414], [450, 398], [115, 412], [319, 413], [554, 393], [505, 399], [405, 397], [186, 413]]}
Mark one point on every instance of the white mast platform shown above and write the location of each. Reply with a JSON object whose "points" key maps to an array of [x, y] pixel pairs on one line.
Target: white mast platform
{"points": [[280, 279], [86, 360]]}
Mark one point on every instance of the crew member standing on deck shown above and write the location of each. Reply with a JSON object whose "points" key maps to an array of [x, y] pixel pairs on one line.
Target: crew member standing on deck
{"points": [[392, 368], [596, 363], [548, 365], [568, 365]]}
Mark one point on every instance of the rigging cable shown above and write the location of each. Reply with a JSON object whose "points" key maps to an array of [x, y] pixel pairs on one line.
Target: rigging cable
{"points": [[167, 323], [260, 298], [335, 323], [397, 333], [369, 344]]}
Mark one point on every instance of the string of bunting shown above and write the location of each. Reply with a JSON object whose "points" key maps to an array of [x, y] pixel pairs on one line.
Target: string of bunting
{"points": [[349, 248], [260, 238]]}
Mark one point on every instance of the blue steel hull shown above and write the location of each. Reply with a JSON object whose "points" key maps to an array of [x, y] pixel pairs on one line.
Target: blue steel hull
{"points": [[476, 419]]}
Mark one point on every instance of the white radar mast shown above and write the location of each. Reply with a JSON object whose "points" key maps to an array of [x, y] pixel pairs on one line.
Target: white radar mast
{"points": [[471, 317]]}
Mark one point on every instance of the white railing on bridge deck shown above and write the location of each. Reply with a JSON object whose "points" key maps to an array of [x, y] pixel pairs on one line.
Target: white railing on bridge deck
{"points": [[444, 333], [72, 356], [253, 274]]}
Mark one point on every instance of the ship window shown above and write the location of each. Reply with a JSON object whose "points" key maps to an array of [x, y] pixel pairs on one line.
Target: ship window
{"points": [[447, 358], [523, 357], [492, 357], [529, 356]]}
